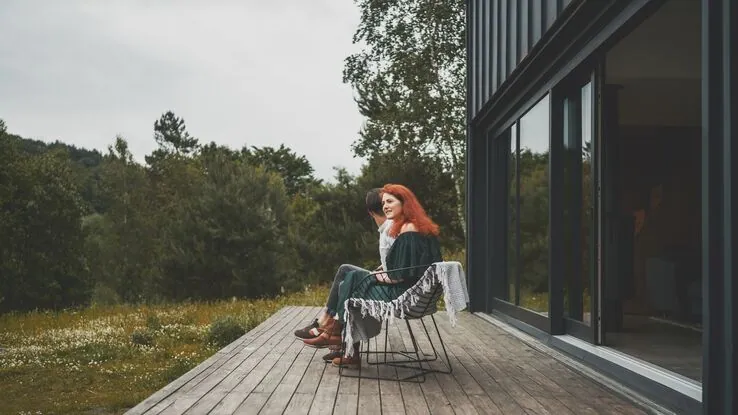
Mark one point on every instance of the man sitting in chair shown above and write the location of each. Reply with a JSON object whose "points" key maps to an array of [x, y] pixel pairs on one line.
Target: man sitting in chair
{"points": [[316, 327]]}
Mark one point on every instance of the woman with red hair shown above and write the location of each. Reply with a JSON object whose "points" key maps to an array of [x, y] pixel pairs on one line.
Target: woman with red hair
{"points": [[416, 245]]}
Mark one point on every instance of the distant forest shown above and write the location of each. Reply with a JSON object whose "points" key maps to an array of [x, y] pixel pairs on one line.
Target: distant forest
{"points": [[194, 222]]}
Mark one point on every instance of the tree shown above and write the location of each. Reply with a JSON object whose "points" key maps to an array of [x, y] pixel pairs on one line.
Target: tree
{"points": [[231, 238], [41, 238], [123, 244], [170, 133], [410, 81], [295, 170]]}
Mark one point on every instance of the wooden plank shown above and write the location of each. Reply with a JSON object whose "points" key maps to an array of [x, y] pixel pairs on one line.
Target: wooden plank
{"points": [[435, 397], [184, 400], [283, 394], [251, 373], [511, 397], [224, 363], [475, 382], [560, 388], [370, 400], [347, 399], [188, 377], [325, 396], [299, 404], [390, 391], [458, 399], [412, 394]]}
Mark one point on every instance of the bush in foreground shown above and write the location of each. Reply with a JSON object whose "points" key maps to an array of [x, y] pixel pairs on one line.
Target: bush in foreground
{"points": [[224, 331]]}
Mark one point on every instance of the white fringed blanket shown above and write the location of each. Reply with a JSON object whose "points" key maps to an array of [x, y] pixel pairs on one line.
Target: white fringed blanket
{"points": [[449, 274]]}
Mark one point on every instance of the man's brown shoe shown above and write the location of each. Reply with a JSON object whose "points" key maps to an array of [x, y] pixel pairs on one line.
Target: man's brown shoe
{"points": [[330, 335], [352, 362], [328, 358]]}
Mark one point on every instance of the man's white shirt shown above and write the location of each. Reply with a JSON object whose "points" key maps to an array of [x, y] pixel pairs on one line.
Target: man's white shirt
{"points": [[385, 242]]}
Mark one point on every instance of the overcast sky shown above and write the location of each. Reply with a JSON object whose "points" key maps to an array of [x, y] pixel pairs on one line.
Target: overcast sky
{"points": [[256, 72]]}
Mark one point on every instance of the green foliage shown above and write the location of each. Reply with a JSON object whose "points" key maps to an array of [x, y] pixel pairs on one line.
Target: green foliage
{"points": [[230, 237], [41, 237], [170, 134], [224, 331], [295, 170], [409, 79]]}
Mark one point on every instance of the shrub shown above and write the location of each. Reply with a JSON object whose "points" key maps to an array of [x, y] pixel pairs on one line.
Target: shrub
{"points": [[142, 337], [225, 330]]}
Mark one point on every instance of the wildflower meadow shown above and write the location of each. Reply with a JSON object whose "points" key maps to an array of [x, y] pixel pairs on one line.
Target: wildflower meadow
{"points": [[104, 360]]}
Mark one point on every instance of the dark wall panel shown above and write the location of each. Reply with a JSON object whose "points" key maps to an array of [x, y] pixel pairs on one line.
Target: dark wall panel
{"points": [[496, 21], [483, 42], [486, 50], [536, 20], [523, 26], [505, 26], [513, 36], [472, 71], [503, 33], [552, 10]]}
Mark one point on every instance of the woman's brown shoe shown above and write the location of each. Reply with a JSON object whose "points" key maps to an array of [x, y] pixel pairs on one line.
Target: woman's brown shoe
{"points": [[330, 335]]}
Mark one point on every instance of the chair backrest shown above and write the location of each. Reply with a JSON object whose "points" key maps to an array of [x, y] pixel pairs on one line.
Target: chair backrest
{"points": [[427, 301]]}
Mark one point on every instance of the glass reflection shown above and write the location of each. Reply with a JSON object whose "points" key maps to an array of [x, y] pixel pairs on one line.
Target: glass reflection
{"points": [[533, 206], [578, 204], [512, 249]]}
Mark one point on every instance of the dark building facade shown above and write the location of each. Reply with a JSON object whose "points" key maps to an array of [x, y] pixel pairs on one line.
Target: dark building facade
{"points": [[600, 186]]}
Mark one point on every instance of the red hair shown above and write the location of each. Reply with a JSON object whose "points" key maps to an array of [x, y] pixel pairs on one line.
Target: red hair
{"points": [[412, 212]]}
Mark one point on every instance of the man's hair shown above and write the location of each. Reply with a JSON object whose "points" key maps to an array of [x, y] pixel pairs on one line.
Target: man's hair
{"points": [[374, 201]]}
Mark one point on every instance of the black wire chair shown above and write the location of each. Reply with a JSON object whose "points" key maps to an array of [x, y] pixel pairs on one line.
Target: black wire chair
{"points": [[408, 359]]}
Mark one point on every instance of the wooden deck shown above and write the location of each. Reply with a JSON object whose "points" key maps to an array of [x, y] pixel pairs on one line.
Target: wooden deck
{"points": [[268, 371]]}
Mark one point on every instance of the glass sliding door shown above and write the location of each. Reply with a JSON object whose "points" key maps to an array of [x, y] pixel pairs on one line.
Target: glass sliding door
{"points": [[579, 231], [528, 233]]}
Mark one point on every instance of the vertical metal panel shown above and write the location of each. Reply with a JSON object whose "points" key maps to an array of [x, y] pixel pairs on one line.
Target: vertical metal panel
{"points": [[536, 20], [476, 226], [481, 52], [495, 59], [497, 168], [523, 28], [499, 29], [556, 250], [470, 111], [471, 69], [484, 32], [720, 289], [502, 33], [512, 56], [503, 47], [552, 11]]}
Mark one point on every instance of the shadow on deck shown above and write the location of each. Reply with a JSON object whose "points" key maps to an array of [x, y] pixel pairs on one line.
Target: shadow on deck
{"points": [[268, 371]]}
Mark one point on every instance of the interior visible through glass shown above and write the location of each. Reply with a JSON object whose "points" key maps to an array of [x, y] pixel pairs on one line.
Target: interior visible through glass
{"points": [[652, 235]]}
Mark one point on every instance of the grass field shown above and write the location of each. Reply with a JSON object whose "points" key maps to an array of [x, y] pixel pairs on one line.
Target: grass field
{"points": [[104, 360]]}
